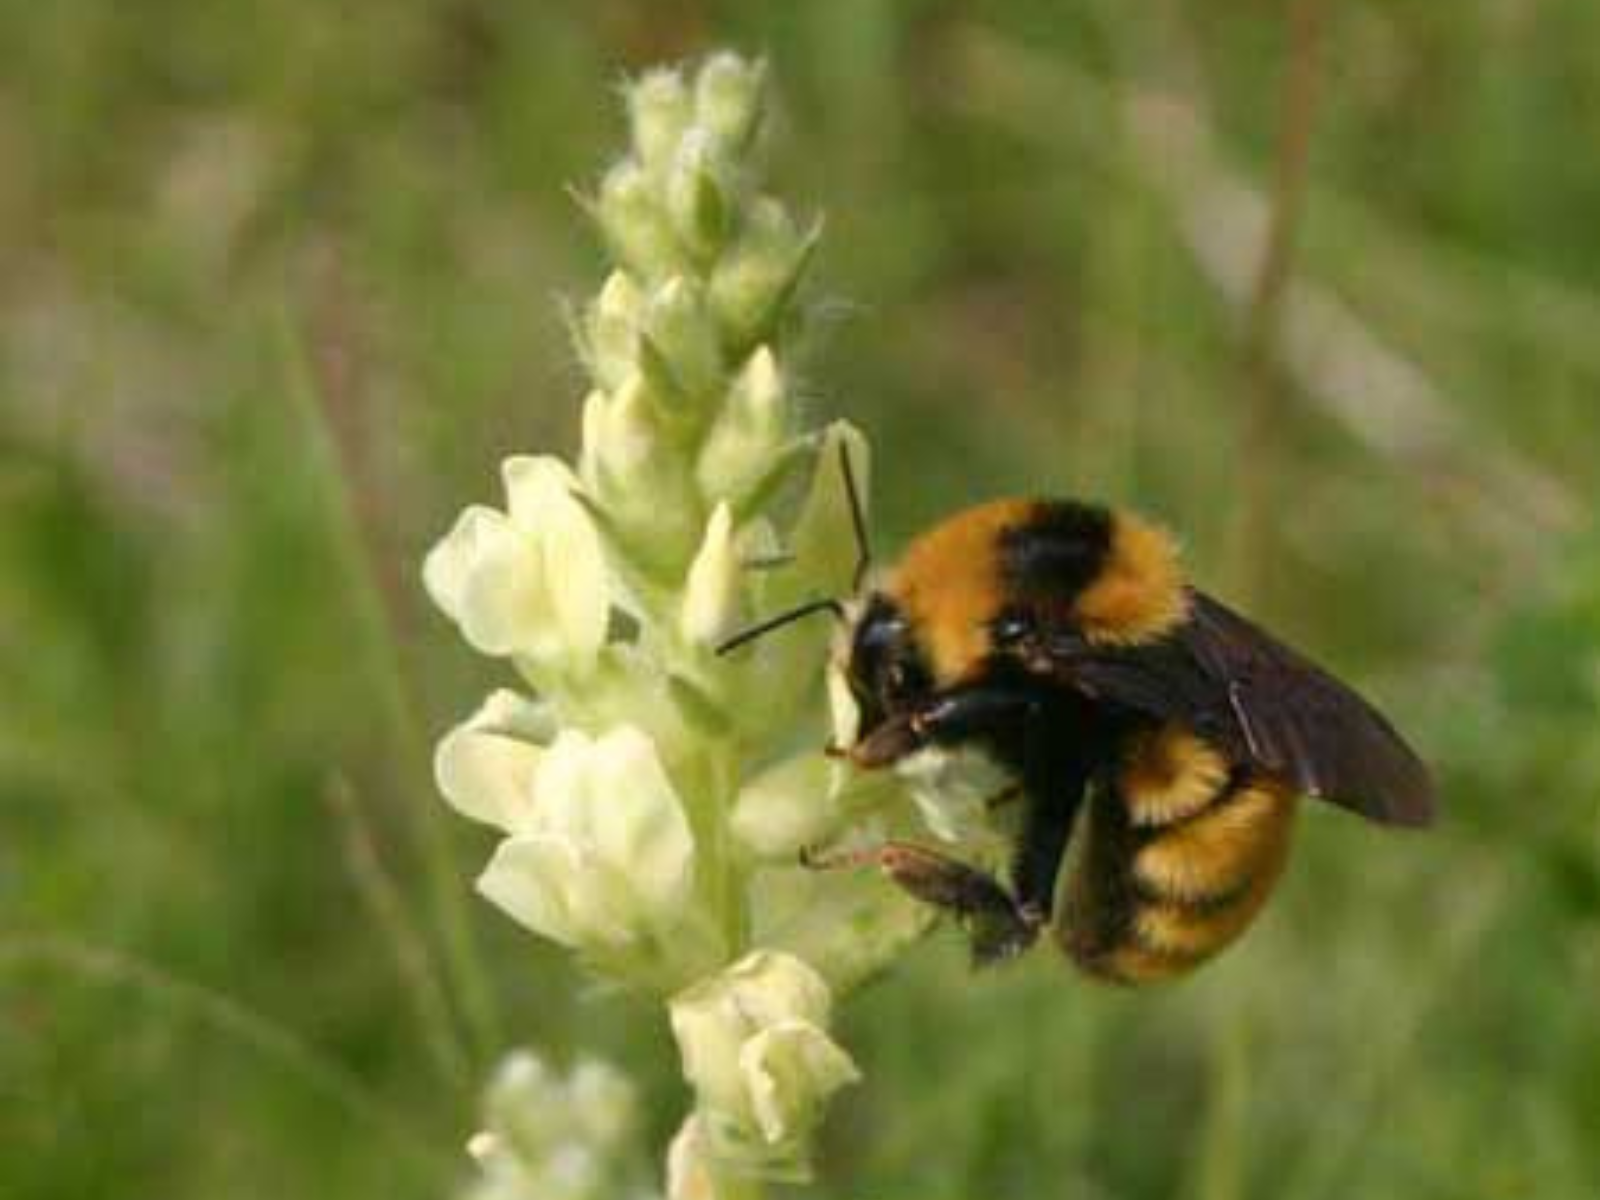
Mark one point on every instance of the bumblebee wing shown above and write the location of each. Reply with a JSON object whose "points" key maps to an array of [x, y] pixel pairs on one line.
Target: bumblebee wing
{"points": [[1267, 705]]}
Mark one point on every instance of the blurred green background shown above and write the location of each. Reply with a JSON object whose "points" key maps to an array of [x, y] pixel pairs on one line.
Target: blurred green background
{"points": [[279, 288]]}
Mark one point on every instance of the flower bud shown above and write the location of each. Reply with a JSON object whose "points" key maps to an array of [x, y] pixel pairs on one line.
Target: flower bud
{"points": [[754, 279], [728, 99], [641, 478], [605, 857], [635, 224], [531, 582], [680, 354], [745, 440], [698, 197], [485, 765], [711, 594], [756, 1050], [609, 339], [659, 112]]}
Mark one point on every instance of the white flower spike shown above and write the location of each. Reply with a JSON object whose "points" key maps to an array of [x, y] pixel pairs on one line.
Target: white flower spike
{"points": [[653, 795]]}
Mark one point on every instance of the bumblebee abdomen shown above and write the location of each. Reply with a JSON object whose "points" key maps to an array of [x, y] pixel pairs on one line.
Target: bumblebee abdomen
{"points": [[1166, 876]]}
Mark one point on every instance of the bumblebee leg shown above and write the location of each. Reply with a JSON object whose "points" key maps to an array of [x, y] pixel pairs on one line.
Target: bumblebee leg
{"points": [[1055, 776], [965, 713], [1046, 827], [998, 927]]}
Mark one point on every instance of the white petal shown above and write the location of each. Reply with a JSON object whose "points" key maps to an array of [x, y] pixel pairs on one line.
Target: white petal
{"points": [[688, 1175], [709, 1030], [450, 561], [791, 1070], [550, 886], [575, 574], [537, 488], [844, 711], [639, 823], [501, 605], [713, 1020], [485, 766], [540, 496]]}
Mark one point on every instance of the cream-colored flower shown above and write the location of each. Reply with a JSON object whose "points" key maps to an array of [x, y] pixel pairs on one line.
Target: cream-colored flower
{"points": [[485, 765], [605, 856], [530, 581], [756, 1049]]}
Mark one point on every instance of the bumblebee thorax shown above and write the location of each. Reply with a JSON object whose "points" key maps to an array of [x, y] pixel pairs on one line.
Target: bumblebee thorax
{"points": [[1108, 575]]}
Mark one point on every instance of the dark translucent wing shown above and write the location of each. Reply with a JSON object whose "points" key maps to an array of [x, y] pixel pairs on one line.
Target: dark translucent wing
{"points": [[1266, 705]]}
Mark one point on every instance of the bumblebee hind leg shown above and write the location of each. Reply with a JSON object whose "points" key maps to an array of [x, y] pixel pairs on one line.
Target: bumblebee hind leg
{"points": [[998, 926]]}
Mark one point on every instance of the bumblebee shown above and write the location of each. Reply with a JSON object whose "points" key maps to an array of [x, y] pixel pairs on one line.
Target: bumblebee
{"points": [[1166, 736]]}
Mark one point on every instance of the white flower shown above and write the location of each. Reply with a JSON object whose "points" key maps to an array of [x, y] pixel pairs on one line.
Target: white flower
{"points": [[530, 581], [756, 1050], [605, 856], [485, 765]]}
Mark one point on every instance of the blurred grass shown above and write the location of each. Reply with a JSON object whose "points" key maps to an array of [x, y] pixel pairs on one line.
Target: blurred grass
{"points": [[206, 211]]}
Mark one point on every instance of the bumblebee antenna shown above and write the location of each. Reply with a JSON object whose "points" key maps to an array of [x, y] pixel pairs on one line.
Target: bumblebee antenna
{"points": [[858, 519], [747, 635]]}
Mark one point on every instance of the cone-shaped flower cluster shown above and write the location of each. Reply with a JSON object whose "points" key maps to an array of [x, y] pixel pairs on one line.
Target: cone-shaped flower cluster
{"points": [[652, 794]]}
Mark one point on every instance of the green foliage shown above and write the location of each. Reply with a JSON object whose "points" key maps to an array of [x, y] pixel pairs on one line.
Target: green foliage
{"points": [[277, 298]]}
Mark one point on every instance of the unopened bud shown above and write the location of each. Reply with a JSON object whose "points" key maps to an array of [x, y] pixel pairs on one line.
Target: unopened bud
{"points": [[711, 594], [681, 340], [697, 197], [659, 111], [610, 334], [755, 278], [728, 99], [635, 224], [748, 433]]}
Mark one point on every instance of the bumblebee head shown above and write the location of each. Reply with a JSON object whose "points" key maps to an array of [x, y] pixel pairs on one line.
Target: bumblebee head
{"points": [[884, 666]]}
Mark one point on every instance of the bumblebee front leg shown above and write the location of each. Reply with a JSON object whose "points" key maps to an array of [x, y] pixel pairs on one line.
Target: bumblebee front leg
{"points": [[998, 927]]}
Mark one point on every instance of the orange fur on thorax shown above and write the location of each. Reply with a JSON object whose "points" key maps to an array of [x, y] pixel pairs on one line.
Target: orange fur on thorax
{"points": [[949, 586], [1140, 593]]}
